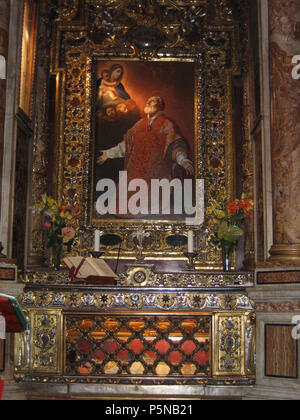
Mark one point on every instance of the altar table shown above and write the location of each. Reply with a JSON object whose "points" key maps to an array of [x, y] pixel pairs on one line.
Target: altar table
{"points": [[191, 328]]}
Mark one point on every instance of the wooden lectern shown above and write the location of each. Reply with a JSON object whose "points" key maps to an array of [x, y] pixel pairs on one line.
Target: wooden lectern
{"points": [[15, 321], [91, 271], [11, 310]]}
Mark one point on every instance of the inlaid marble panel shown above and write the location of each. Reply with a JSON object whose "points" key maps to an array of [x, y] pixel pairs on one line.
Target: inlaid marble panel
{"points": [[281, 352], [285, 120]]}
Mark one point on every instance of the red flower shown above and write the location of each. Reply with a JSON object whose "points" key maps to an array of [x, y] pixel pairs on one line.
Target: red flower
{"points": [[63, 208], [237, 205], [245, 205], [232, 207], [76, 209]]}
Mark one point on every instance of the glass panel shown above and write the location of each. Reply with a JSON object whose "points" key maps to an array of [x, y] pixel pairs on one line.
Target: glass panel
{"points": [[189, 325], [86, 325], [123, 335], [124, 356], [137, 368], [111, 368], [162, 369], [73, 334], [110, 346], [98, 357], [176, 336], [163, 325], [98, 334], [150, 335], [85, 369], [162, 346], [110, 324], [125, 345], [137, 325], [149, 357], [201, 357], [188, 369], [175, 358], [136, 346], [85, 346], [188, 347]]}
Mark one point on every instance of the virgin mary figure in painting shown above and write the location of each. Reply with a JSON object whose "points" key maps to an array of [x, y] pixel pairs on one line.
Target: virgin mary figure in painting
{"points": [[116, 113], [112, 92]]}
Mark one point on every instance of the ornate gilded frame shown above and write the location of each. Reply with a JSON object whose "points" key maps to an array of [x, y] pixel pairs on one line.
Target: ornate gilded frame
{"points": [[28, 57], [216, 55]]}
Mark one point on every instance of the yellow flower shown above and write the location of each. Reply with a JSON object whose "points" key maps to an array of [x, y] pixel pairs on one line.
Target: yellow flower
{"points": [[220, 214], [51, 201]]}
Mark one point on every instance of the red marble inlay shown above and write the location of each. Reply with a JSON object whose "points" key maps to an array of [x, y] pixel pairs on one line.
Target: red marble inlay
{"points": [[188, 347], [201, 357], [162, 346], [110, 346], [175, 357], [85, 346], [136, 346]]}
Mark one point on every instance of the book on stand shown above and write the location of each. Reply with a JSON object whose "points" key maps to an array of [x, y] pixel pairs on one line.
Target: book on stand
{"points": [[90, 270]]}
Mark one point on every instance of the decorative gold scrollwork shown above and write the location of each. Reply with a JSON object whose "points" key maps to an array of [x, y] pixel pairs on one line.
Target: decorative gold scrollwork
{"points": [[68, 9], [45, 347], [234, 344], [212, 45]]}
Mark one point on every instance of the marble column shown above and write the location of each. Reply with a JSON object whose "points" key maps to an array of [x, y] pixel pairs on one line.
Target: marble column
{"points": [[4, 25], [284, 43]]}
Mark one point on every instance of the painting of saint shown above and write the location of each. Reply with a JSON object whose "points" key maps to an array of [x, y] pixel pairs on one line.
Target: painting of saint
{"points": [[138, 129]]}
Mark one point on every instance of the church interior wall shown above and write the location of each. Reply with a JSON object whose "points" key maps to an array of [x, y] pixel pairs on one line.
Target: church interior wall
{"points": [[33, 163]]}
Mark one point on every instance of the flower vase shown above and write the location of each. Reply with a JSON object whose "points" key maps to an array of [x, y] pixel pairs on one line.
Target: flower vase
{"points": [[227, 251], [56, 254]]}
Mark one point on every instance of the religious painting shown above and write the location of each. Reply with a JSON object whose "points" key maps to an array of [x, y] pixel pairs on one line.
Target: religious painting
{"points": [[143, 140], [103, 84]]}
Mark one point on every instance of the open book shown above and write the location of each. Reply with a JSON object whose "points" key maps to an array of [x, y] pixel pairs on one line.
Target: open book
{"points": [[93, 270]]}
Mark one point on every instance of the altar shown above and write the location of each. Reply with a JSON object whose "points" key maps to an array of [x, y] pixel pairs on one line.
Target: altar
{"points": [[161, 137], [188, 331], [141, 155]]}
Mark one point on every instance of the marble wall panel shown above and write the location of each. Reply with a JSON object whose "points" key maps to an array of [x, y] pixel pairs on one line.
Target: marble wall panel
{"points": [[281, 353], [285, 120]]}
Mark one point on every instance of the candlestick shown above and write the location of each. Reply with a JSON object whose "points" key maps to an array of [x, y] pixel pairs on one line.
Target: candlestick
{"points": [[96, 254], [190, 241], [191, 260], [97, 241]]}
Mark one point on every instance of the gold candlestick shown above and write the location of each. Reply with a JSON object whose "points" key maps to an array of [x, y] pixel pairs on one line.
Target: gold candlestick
{"points": [[96, 254], [191, 257]]}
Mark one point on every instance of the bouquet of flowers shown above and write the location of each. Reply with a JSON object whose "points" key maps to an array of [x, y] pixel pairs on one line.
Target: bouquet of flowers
{"points": [[228, 219], [57, 215]]}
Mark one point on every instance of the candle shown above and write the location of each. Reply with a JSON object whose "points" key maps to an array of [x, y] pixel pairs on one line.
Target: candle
{"points": [[2, 327], [97, 241], [190, 241]]}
